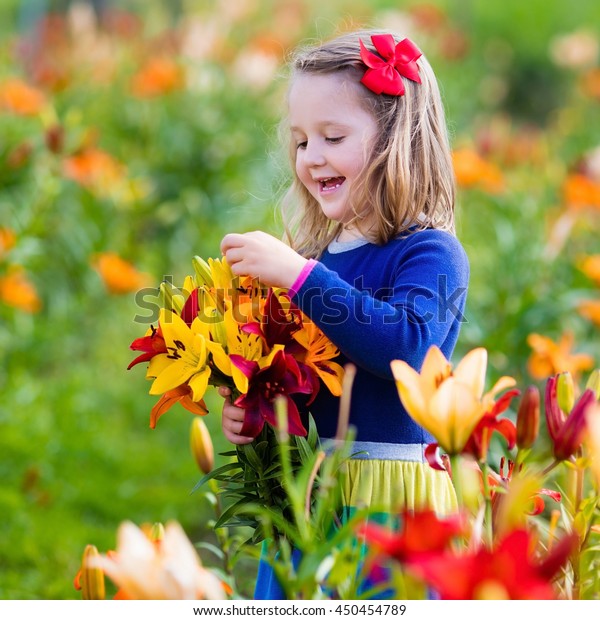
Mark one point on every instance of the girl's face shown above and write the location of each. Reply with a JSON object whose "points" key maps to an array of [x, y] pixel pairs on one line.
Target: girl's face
{"points": [[332, 134]]}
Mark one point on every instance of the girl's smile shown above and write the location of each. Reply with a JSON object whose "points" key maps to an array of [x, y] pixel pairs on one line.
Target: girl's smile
{"points": [[332, 133], [330, 184]]}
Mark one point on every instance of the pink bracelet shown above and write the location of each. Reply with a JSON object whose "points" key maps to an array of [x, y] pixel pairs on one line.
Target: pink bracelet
{"points": [[297, 285]]}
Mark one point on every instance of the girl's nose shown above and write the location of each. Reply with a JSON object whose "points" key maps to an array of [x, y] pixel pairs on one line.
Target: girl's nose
{"points": [[313, 155]]}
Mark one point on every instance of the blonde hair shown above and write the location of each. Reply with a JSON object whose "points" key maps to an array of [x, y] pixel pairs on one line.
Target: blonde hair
{"points": [[408, 182]]}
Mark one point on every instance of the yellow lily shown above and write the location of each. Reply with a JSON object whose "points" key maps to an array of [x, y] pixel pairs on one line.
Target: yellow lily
{"points": [[249, 346], [221, 277], [221, 273], [244, 295], [447, 403], [186, 360]]}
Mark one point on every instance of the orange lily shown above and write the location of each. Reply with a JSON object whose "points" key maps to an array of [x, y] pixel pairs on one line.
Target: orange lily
{"points": [[17, 291], [181, 394], [119, 276], [579, 192], [19, 98], [8, 238], [95, 170], [472, 170], [158, 76], [549, 358], [590, 309], [590, 265], [320, 352]]}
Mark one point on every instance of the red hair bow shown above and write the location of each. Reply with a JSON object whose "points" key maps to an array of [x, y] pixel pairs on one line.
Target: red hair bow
{"points": [[385, 71]]}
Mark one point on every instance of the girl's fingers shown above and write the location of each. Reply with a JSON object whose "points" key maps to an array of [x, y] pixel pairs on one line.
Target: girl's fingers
{"points": [[238, 440], [232, 422], [232, 240], [234, 255], [231, 412], [224, 391], [232, 429]]}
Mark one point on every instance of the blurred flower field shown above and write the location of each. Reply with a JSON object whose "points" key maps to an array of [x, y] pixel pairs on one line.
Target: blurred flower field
{"points": [[134, 138]]}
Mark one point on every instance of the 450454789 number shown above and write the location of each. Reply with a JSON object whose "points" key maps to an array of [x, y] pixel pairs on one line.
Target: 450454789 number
{"points": [[370, 610]]}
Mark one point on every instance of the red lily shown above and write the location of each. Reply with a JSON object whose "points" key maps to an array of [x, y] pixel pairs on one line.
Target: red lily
{"points": [[152, 344], [566, 432], [191, 308], [506, 572], [495, 480], [278, 325], [479, 442], [283, 377], [422, 532]]}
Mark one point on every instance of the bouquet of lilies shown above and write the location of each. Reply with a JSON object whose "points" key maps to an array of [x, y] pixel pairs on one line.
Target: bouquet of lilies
{"points": [[223, 330]]}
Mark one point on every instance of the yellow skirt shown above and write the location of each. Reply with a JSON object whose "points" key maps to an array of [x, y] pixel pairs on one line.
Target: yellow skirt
{"points": [[392, 486]]}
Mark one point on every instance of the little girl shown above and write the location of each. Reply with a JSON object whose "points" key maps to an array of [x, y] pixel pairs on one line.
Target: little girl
{"points": [[373, 259]]}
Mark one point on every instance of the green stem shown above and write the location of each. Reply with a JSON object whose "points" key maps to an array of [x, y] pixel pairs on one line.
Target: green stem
{"points": [[577, 487], [455, 465], [220, 533], [550, 467], [488, 505]]}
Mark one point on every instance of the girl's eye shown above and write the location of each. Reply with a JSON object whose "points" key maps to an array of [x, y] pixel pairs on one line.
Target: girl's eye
{"points": [[301, 145], [335, 140]]}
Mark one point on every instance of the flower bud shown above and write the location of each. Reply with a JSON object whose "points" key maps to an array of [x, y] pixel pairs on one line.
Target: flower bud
{"points": [[593, 383], [171, 297], [157, 532], [565, 391], [203, 273], [91, 579], [201, 445], [55, 139], [528, 418]]}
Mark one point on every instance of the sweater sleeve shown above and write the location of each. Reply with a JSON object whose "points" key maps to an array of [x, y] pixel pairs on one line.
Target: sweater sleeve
{"points": [[423, 305]]}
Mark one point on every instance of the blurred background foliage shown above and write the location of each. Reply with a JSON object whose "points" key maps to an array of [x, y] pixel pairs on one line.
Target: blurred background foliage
{"points": [[133, 135]]}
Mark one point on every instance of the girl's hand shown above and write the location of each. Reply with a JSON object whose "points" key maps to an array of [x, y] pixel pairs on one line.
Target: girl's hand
{"points": [[261, 256], [232, 420]]}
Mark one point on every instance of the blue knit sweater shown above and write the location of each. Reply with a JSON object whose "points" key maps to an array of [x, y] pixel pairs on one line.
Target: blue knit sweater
{"points": [[380, 303]]}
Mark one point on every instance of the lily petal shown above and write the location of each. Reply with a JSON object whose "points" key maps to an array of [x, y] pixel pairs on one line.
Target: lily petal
{"points": [[471, 371], [435, 369], [408, 384]]}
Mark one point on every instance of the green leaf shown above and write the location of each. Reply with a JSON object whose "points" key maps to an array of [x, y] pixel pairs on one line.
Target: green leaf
{"points": [[239, 507], [217, 551], [215, 473]]}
